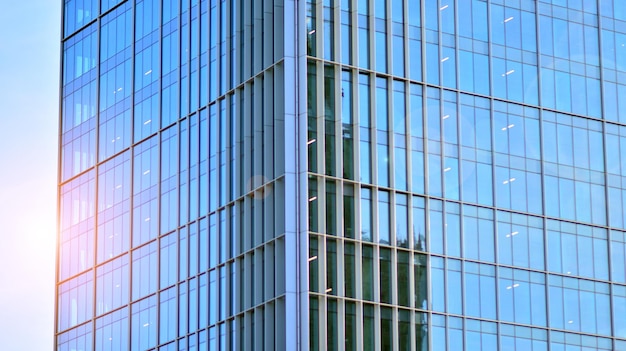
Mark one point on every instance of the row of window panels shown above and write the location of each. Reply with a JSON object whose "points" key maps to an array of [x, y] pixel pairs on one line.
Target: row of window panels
{"points": [[206, 238], [81, 53], [218, 242], [568, 35], [223, 125], [388, 112], [511, 24], [78, 13], [513, 189], [210, 243], [237, 286], [89, 237], [396, 10], [440, 15], [403, 329], [215, 151], [113, 44], [82, 160], [116, 124], [81, 209], [325, 25], [514, 73], [144, 173], [172, 329], [197, 149], [379, 105], [153, 99], [117, 27], [451, 230], [475, 233], [337, 324], [472, 289], [200, 144], [200, 38], [151, 12], [519, 190], [516, 145]]}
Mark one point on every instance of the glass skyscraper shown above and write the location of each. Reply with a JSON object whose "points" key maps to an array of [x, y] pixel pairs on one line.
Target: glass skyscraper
{"points": [[342, 175]]}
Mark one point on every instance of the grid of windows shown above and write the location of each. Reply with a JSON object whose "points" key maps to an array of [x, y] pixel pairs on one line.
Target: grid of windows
{"points": [[481, 207], [450, 177], [176, 225]]}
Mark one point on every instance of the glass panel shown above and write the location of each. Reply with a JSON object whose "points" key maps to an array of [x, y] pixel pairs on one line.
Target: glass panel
{"points": [[78, 13], [384, 218], [114, 207], [112, 331], [366, 215], [331, 267], [401, 219], [78, 140], [145, 191], [350, 327], [349, 215], [314, 324], [369, 331], [75, 301], [420, 279], [421, 331], [144, 268], [386, 328], [112, 285], [367, 268], [331, 326], [386, 281], [144, 324], [349, 263], [403, 278], [78, 339]]}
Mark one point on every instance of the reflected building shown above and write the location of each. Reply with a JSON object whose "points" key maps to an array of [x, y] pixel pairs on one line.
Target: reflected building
{"points": [[342, 175]]}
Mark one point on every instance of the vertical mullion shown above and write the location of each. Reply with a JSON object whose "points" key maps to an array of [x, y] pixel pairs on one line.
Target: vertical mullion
{"points": [[131, 151], [606, 176], [96, 184]]}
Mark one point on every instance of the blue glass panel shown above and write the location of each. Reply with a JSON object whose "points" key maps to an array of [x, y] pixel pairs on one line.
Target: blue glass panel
{"points": [[114, 207], [145, 191], [167, 315], [143, 329], [112, 331], [77, 224], [77, 339], [144, 268], [112, 285], [78, 13], [75, 301], [106, 5]]}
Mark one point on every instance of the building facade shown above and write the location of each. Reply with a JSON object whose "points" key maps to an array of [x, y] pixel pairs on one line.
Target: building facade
{"points": [[342, 175], [178, 211]]}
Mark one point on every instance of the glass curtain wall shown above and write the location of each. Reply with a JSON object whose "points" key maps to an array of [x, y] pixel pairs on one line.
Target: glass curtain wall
{"points": [[173, 176], [460, 182], [465, 187]]}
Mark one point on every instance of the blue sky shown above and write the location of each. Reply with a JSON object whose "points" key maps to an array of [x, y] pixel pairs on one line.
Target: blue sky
{"points": [[29, 66]]}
